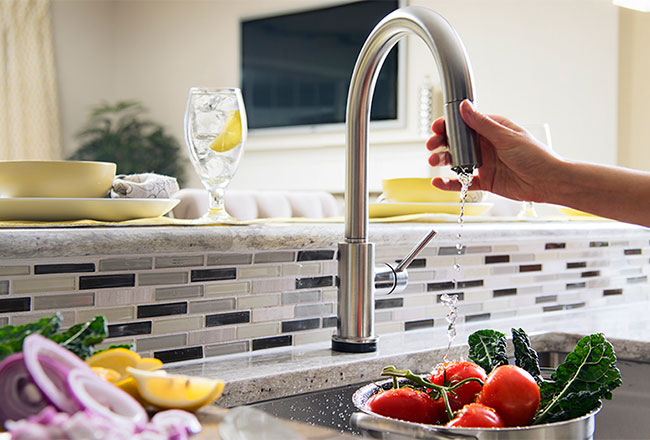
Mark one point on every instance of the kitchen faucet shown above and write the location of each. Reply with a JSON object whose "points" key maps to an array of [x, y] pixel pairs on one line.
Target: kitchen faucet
{"points": [[359, 279]]}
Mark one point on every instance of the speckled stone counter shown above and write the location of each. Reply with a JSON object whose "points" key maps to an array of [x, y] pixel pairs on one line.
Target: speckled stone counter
{"points": [[197, 293], [288, 371]]}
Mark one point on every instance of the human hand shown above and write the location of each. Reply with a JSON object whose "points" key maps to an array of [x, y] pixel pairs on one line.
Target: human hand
{"points": [[515, 164]]}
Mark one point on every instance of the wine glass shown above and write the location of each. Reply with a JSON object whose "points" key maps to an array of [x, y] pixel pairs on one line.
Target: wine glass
{"points": [[541, 132], [215, 132]]}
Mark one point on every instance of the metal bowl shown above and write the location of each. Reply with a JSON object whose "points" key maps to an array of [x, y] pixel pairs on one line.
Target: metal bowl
{"points": [[378, 426]]}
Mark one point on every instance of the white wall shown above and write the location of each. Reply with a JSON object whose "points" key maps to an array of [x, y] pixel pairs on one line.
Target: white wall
{"points": [[534, 60]]}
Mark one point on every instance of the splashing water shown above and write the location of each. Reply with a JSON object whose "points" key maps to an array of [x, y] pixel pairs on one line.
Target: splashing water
{"points": [[450, 301]]}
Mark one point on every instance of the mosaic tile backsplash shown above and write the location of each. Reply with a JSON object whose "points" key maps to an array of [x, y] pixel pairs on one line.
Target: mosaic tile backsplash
{"points": [[186, 306]]}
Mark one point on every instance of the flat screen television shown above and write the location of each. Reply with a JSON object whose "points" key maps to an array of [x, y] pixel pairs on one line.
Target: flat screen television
{"points": [[296, 67]]}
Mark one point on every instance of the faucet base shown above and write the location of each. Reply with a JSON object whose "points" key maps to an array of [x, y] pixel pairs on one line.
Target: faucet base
{"points": [[354, 347]]}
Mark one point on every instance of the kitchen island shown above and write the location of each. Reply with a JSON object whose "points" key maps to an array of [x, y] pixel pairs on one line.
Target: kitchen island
{"points": [[256, 305]]}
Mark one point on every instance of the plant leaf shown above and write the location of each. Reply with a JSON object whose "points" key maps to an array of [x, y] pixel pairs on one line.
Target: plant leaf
{"points": [[525, 356], [487, 348], [81, 338], [12, 336], [587, 375]]}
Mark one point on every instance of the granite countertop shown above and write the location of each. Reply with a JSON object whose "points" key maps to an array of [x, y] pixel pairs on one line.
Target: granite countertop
{"points": [[52, 242], [277, 373]]}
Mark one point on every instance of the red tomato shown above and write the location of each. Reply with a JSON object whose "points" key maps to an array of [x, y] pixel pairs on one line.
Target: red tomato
{"points": [[406, 404], [513, 393], [476, 415], [451, 373]]}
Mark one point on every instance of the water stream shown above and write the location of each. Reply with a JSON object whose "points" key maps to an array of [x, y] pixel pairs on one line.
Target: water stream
{"points": [[451, 301]]}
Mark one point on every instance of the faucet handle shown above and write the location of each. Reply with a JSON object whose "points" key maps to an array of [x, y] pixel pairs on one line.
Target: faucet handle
{"points": [[415, 251], [389, 279]]}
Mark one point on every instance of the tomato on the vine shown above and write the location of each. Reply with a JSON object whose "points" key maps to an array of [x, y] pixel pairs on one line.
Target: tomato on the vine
{"points": [[450, 373], [407, 404], [476, 415], [513, 393]]}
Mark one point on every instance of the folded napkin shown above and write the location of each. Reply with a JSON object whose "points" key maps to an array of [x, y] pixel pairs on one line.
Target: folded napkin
{"points": [[143, 186]]}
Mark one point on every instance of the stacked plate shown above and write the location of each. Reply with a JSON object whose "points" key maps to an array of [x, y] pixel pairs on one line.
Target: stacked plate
{"points": [[68, 191], [414, 195]]}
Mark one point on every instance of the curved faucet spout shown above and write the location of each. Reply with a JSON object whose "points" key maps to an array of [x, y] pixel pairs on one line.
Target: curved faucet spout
{"points": [[355, 329]]}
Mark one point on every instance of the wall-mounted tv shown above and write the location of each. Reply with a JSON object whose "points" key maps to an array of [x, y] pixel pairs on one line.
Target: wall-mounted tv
{"points": [[296, 67]]}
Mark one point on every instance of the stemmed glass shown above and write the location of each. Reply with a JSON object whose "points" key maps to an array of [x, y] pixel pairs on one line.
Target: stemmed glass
{"points": [[541, 132], [215, 132]]}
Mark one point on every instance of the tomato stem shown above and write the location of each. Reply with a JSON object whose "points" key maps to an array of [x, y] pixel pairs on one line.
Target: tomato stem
{"points": [[424, 382]]}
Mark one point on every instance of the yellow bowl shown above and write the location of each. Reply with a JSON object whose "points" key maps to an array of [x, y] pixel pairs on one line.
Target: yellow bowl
{"points": [[420, 190], [55, 178]]}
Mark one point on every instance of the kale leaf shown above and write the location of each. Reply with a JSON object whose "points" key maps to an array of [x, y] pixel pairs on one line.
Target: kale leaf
{"points": [[487, 348], [587, 375], [12, 336], [81, 338], [525, 356]]}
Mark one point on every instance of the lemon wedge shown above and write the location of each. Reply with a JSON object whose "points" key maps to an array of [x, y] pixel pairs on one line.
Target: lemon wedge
{"points": [[119, 359], [107, 374], [167, 391], [230, 137]]}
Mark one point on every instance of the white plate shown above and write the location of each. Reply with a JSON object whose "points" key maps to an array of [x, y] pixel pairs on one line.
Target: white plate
{"points": [[379, 210], [58, 209]]}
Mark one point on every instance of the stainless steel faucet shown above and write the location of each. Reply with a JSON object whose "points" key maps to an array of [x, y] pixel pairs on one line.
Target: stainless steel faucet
{"points": [[359, 279]]}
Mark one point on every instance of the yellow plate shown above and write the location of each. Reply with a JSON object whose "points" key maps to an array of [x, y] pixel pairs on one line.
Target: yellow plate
{"points": [[55, 209], [575, 213], [379, 210]]}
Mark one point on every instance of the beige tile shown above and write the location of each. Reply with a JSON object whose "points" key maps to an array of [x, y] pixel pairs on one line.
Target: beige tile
{"points": [[161, 278], [179, 261], [272, 313], [115, 264], [269, 286], [293, 269], [119, 297], [258, 330], [68, 318], [44, 302], [330, 295], [36, 285], [167, 293], [301, 338], [116, 314], [419, 300], [117, 341], [251, 301], [212, 305], [14, 270], [177, 325], [211, 336], [258, 272], [227, 289], [161, 342], [389, 327], [227, 348]]}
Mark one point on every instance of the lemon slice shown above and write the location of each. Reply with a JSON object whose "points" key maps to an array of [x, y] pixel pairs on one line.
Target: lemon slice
{"points": [[169, 391], [107, 374], [230, 137], [119, 359]]}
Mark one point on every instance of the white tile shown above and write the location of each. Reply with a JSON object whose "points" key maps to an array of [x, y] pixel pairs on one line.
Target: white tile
{"points": [[419, 300], [389, 327], [303, 269], [278, 285], [270, 271]]}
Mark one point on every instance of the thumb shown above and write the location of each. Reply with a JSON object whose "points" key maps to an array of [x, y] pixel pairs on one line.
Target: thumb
{"points": [[483, 124]]}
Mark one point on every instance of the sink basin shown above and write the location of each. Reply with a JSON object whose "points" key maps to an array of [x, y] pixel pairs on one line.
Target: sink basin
{"points": [[623, 417]]}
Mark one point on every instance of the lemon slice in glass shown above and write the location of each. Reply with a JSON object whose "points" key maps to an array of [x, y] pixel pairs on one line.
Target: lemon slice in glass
{"points": [[230, 137], [167, 391]]}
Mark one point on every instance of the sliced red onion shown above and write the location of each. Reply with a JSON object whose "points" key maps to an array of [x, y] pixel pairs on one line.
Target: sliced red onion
{"points": [[21, 397], [98, 396], [173, 419], [36, 349]]}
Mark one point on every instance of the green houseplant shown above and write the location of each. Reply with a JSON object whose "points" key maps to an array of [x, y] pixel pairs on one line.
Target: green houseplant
{"points": [[119, 133]]}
